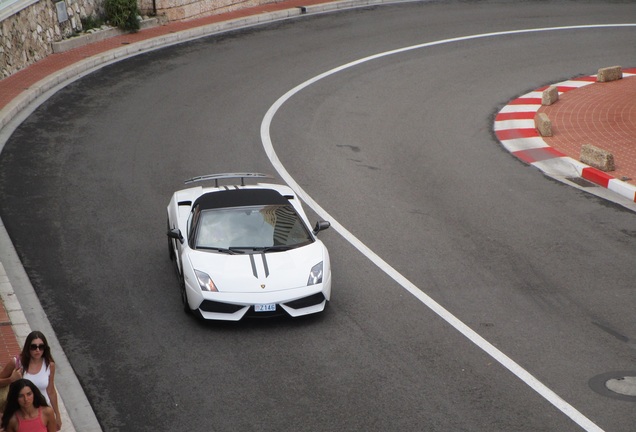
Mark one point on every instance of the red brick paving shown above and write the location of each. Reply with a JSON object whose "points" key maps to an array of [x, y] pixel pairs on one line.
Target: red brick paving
{"points": [[8, 343], [602, 114], [9, 346]]}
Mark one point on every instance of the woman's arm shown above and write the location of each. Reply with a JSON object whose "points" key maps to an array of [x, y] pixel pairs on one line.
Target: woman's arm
{"points": [[9, 373], [50, 390], [49, 419], [13, 424]]}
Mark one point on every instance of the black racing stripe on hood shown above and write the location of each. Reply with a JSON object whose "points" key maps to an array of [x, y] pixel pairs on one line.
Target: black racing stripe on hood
{"points": [[253, 266], [265, 265]]}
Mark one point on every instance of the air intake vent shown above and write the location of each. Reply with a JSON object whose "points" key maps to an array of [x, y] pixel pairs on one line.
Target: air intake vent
{"points": [[218, 307], [304, 302]]}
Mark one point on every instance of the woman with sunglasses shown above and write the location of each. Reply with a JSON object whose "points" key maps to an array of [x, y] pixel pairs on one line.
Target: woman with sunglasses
{"points": [[26, 409], [36, 364]]}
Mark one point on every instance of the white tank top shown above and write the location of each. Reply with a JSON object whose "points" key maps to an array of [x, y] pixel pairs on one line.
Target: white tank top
{"points": [[41, 380]]}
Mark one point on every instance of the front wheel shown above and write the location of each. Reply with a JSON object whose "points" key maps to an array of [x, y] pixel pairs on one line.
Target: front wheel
{"points": [[170, 249], [184, 295]]}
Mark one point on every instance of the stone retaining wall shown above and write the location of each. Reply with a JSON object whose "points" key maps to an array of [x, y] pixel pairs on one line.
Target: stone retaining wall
{"points": [[176, 10], [28, 35]]}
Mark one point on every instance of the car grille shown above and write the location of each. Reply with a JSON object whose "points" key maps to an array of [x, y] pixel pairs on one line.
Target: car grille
{"points": [[304, 302]]}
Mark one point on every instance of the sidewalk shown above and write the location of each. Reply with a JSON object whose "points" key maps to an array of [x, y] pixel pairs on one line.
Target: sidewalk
{"points": [[9, 345], [577, 116]]}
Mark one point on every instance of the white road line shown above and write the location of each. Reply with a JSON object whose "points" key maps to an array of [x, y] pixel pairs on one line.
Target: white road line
{"points": [[474, 337]]}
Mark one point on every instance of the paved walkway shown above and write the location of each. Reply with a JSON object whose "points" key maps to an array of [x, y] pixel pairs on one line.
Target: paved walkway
{"points": [[9, 345], [603, 114]]}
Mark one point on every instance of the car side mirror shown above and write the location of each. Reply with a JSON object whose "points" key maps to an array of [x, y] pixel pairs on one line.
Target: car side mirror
{"points": [[176, 234], [321, 226]]}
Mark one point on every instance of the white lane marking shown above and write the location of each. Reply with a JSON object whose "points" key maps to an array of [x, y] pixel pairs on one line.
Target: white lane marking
{"points": [[473, 336]]}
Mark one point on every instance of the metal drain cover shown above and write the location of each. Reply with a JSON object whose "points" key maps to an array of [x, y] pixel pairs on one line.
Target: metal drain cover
{"points": [[581, 181], [625, 386], [617, 385]]}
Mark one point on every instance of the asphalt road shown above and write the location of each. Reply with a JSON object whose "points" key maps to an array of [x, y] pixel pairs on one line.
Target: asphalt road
{"points": [[398, 150]]}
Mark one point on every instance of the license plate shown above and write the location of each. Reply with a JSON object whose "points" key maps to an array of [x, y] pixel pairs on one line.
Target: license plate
{"points": [[265, 307]]}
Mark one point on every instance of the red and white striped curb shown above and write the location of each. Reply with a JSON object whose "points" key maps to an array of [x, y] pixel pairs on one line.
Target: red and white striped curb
{"points": [[515, 129]]}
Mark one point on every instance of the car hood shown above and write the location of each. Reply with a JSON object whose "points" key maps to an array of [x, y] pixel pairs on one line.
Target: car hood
{"points": [[259, 272]]}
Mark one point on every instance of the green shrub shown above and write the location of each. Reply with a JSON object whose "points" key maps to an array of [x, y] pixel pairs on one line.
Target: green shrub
{"points": [[123, 14], [91, 22]]}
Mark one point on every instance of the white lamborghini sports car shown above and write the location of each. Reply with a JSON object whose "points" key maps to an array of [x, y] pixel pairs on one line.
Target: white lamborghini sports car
{"points": [[246, 250]]}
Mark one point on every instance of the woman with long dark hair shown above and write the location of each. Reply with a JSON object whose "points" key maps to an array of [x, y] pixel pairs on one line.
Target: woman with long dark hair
{"points": [[26, 409], [36, 364]]}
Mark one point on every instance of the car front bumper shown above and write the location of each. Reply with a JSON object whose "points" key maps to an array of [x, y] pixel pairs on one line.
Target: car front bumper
{"points": [[234, 306]]}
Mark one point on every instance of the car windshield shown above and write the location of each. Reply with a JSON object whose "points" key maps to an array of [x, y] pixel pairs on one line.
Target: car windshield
{"points": [[257, 227]]}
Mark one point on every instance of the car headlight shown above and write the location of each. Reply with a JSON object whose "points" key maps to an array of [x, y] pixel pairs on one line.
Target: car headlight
{"points": [[315, 275], [205, 281]]}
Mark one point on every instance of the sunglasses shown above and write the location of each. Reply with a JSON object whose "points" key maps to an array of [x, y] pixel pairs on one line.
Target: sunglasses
{"points": [[37, 347]]}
